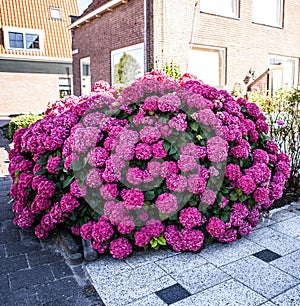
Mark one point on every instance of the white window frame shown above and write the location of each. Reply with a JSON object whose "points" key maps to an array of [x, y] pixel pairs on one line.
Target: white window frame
{"points": [[24, 31], [55, 9], [214, 9], [222, 65], [282, 67], [83, 90], [279, 22], [124, 50]]}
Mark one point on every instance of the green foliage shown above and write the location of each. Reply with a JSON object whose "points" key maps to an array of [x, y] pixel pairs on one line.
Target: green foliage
{"points": [[283, 116], [172, 69], [126, 70], [22, 121]]}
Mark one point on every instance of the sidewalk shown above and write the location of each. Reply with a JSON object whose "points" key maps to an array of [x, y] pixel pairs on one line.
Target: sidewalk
{"points": [[34, 272], [262, 269]]}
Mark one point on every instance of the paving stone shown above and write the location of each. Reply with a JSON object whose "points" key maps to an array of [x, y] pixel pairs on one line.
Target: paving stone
{"points": [[25, 297], [274, 241], [21, 247], [263, 222], [8, 232], [288, 227], [131, 285], [281, 215], [173, 294], [28, 278], [288, 298], [2, 251], [150, 300], [38, 258], [230, 293], [60, 269], [260, 276], [266, 255], [221, 254], [289, 263], [12, 264], [7, 299], [28, 234], [6, 214], [4, 288], [141, 257], [60, 289], [181, 262], [107, 266], [268, 304], [200, 278]]}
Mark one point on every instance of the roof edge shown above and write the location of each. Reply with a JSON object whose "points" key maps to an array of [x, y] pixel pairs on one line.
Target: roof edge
{"points": [[94, 14]]}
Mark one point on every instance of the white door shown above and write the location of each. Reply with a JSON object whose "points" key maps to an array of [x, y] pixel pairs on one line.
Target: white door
{"points": [[85, 72]]}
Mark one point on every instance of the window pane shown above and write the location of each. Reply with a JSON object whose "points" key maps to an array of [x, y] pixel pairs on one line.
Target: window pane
{"points": [[16, 40], [55, 13], [127, 65], [32, 41], [86, 70], [220, 7], [267, 12], [207, 65]]}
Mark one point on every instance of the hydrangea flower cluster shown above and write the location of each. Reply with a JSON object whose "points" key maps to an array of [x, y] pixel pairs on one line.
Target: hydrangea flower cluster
{"points": [[161, 162]]}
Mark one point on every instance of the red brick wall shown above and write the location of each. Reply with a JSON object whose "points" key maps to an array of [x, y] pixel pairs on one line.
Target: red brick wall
{"points": [[175, 25], [122, 27], [248, 45]]}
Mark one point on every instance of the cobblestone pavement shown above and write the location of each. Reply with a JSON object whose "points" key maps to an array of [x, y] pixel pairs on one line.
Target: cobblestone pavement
{"points": [[34, 272]]}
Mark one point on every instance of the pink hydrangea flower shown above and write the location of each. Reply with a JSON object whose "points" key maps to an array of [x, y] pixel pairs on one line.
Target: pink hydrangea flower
{"points": [[120, 248], [133, 198], [191, 217], [166, 203], [217, 149], [215, 227], [246, 184], [208, 197]]}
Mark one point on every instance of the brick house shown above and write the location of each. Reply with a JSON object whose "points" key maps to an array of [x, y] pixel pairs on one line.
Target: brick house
{"points": [[35, 53], [220, 41]]}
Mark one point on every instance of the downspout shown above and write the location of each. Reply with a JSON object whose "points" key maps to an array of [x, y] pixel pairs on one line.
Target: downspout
{"points": [[146, 36]]}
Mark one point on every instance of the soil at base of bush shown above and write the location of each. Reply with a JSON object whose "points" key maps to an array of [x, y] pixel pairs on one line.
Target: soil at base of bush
{"points": [[288, 197]]}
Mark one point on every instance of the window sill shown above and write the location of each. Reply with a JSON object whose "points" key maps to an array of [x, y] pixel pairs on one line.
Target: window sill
{"points": [[268, 25], [228, 17]]}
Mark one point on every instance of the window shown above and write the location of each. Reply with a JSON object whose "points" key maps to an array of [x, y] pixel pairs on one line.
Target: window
{"points": [[16, 40], [55, 13], [64, 86], [86, 82], [127, 64], [227, 8], [23, 39], [283, 72], [268, 12], [208, 64]]}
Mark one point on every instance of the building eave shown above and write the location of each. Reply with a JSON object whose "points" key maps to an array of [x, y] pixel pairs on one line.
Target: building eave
{"points": [[96, 13]]}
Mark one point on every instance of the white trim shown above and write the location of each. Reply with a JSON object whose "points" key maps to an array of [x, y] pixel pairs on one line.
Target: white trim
{"points": [[102, 9], [122, 50], [24, 31], [18, 57], [57, 9], [86, 61]]}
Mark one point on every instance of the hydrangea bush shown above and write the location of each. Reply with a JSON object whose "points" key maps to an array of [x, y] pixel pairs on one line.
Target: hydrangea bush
{"points": [[161, 163]]}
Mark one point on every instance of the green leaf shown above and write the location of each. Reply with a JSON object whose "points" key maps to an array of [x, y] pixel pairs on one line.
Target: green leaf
{"points": [[68, 181], [76, 165], [173, 150], [161, 240], [40, 172], [43, 159], [149, 195], [166, 145], [194, 126], [233, 196], [153, 243]]}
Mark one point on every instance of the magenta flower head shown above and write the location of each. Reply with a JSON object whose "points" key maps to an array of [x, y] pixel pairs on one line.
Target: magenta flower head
{"points": [[280, 122]]}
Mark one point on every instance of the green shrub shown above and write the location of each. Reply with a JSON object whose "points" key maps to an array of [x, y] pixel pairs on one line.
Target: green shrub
{"points": [[172, 69], [22, 121], [283, 116]]}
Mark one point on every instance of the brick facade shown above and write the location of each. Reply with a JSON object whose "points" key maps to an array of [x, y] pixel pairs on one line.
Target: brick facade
{"points": [[122, 27], [175, 25]]}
